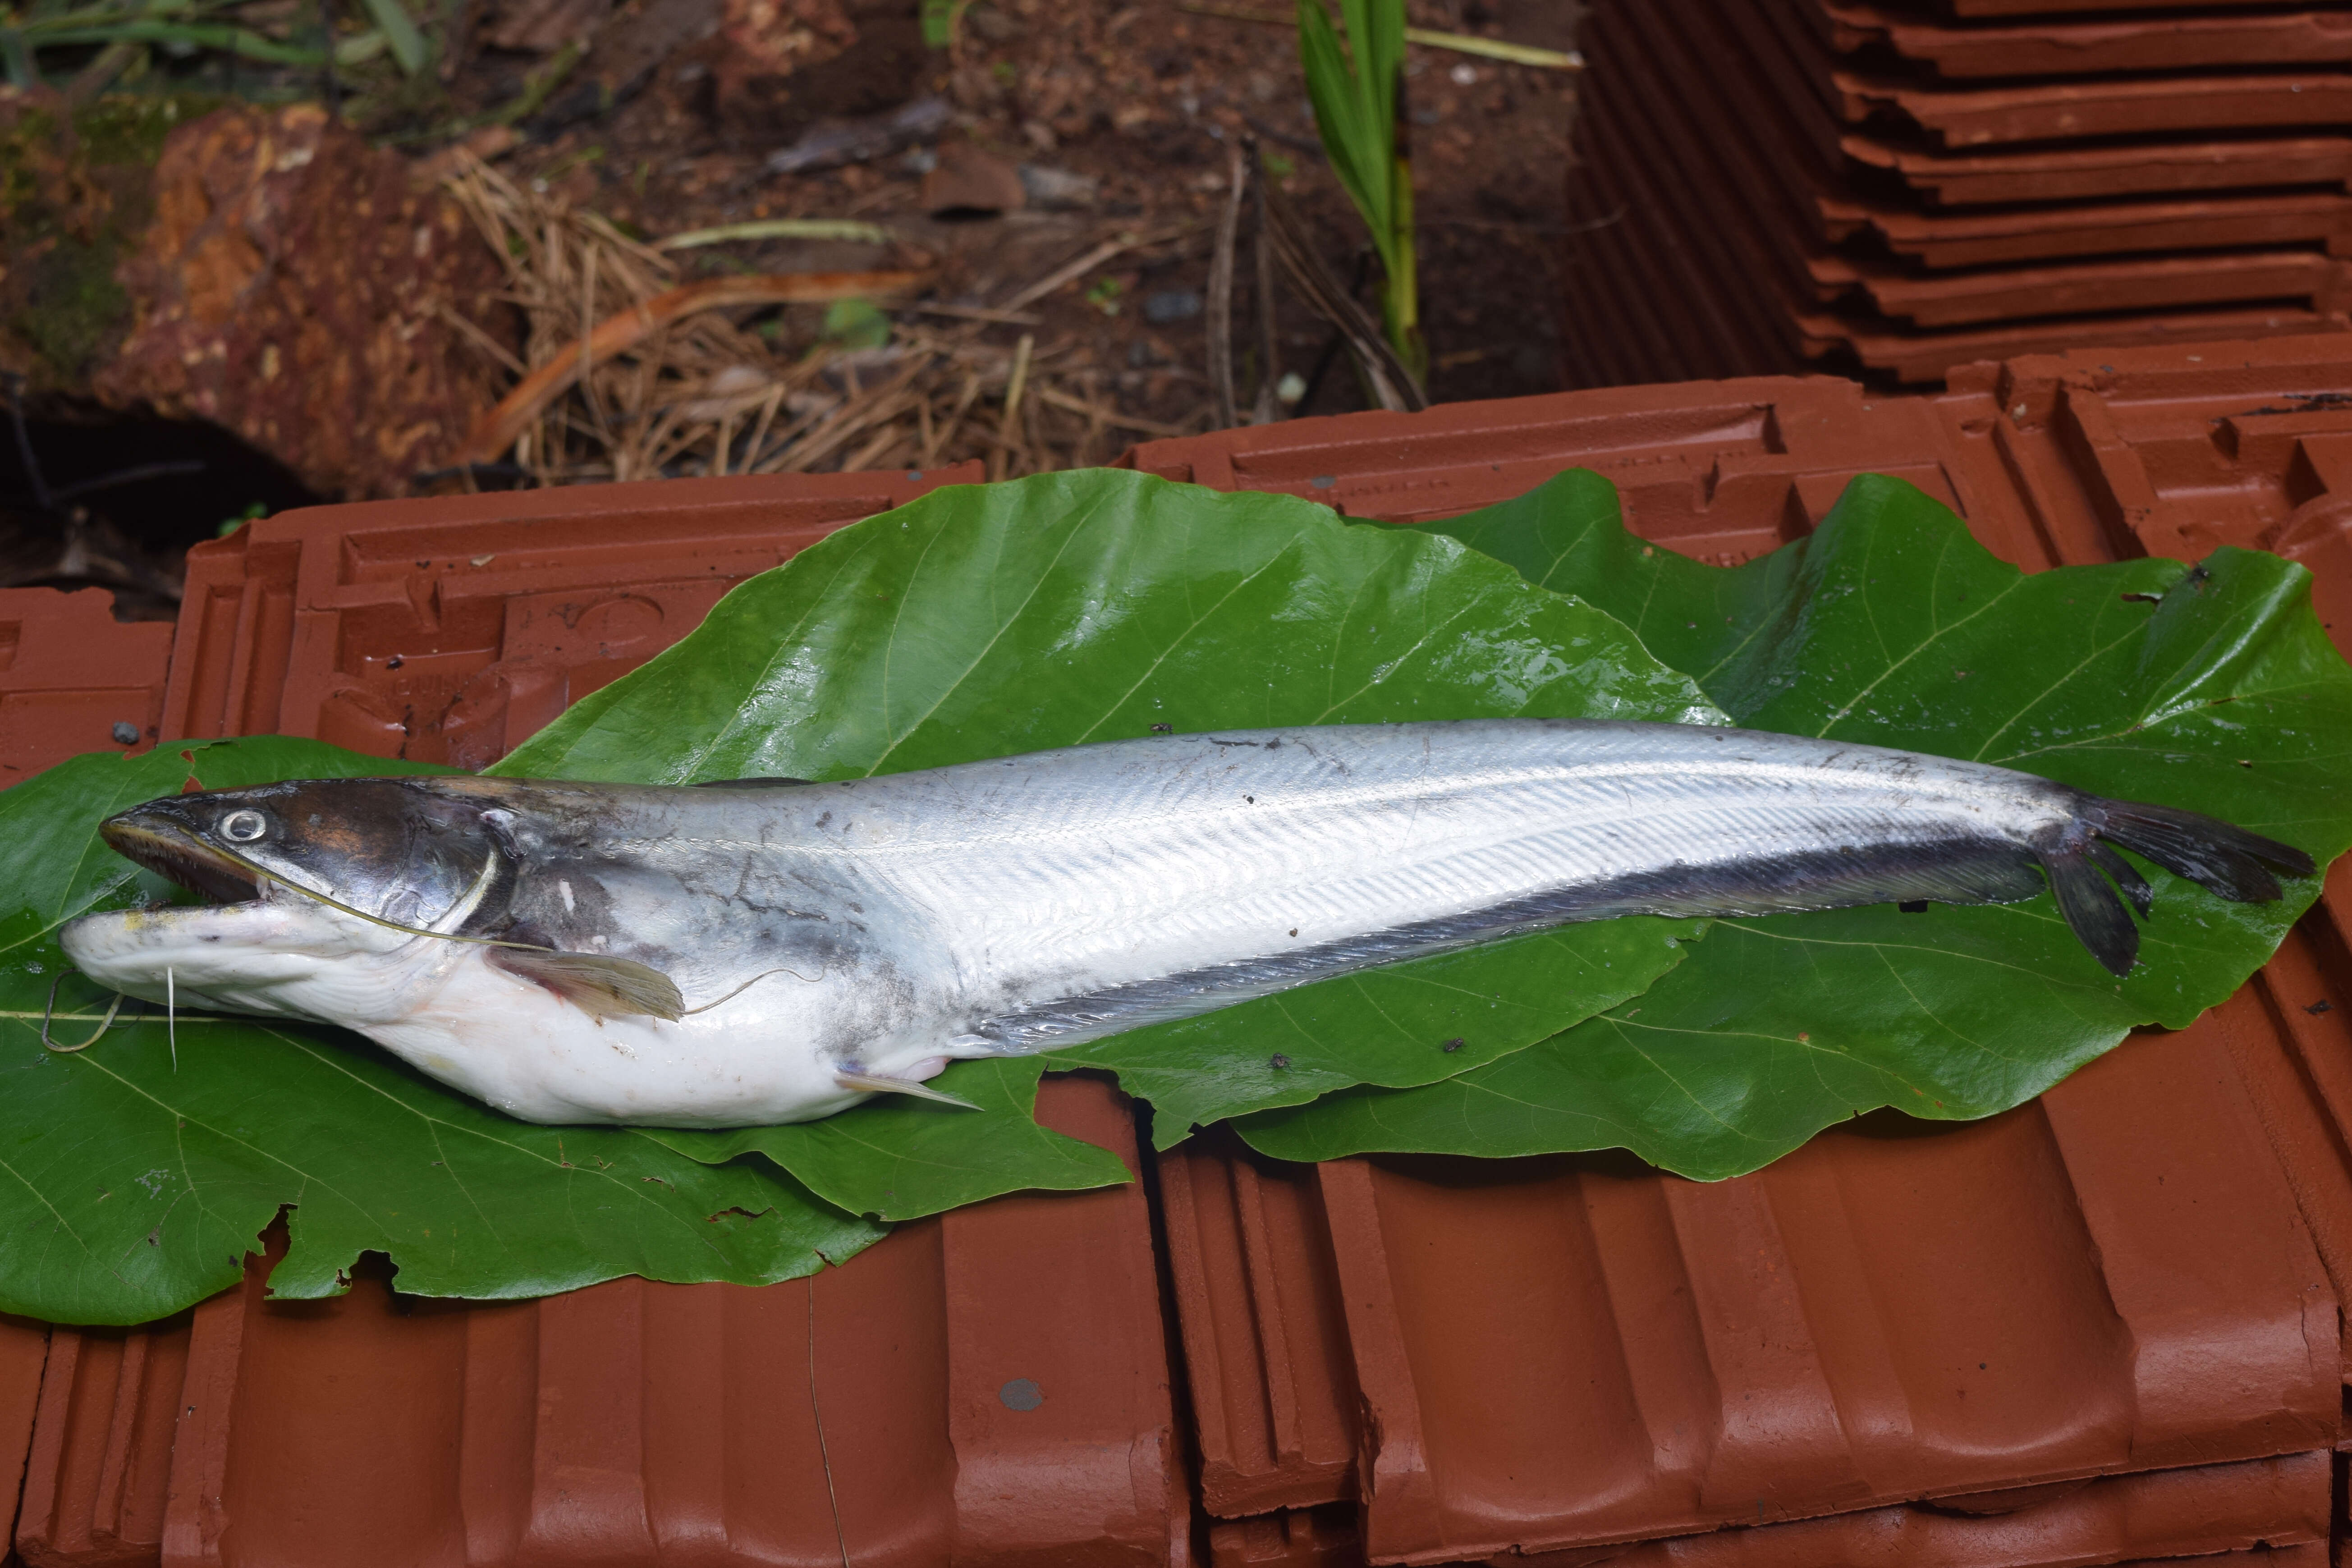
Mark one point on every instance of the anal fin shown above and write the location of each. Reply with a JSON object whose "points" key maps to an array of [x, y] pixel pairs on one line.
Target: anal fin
{"points": [[2093, 910], [599, 986], [876, 1083]]}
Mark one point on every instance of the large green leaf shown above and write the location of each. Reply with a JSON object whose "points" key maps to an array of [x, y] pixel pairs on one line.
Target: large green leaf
{"points": [[2211, 688], [135, 1175], [1071, 607], [133, 1179]]}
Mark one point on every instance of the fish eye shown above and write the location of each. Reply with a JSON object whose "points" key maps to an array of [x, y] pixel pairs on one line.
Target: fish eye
{"points": [[244, 825]]}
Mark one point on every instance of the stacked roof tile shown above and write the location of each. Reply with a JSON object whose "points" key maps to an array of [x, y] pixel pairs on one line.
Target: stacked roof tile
{"points": [[1900, 186]]}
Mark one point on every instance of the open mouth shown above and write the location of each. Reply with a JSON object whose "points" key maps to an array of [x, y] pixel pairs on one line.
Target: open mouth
{"points": [[166, 849]]}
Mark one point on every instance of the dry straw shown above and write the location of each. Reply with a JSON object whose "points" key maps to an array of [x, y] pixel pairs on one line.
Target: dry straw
{"points": [[628, 373]]}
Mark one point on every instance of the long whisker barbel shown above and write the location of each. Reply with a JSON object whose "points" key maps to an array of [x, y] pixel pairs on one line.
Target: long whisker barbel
{"points": [[49, 1011], [266, 874], [707, 1007]]}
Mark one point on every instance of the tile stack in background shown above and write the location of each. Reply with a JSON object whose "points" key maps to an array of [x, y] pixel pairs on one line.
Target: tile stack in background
{"points": [[1894, 187]]}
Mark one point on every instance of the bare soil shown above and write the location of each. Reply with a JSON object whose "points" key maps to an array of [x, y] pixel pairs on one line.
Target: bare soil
{"points": [[1129, 114], [1146, 101]]}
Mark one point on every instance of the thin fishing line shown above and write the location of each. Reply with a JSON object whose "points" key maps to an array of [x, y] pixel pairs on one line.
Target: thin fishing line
{"points": [[172, 1017], [49, 1011]]}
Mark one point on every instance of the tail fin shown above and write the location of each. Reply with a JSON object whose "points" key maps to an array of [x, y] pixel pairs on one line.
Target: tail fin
{"points": [[2226, 861]]}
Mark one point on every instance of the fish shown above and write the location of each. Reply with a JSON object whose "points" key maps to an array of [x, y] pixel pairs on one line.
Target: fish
{"points": [[770, 951]]}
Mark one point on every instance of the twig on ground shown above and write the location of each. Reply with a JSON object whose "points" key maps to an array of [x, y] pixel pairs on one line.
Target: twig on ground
{"points": [[1008, 428], [1220, 324], [1269, 346], [1391, 383]]}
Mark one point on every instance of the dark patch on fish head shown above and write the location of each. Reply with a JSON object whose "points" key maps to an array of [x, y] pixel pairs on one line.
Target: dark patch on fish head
{"points": [[389, 847]]}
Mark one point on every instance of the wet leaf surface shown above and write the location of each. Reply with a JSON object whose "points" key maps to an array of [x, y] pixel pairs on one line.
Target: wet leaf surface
{"points": [[2211, 688], [978, 623]]}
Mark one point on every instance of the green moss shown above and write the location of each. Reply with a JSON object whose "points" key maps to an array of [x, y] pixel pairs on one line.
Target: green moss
{"points": [[129, 128], [75, 205], [75, 307]]}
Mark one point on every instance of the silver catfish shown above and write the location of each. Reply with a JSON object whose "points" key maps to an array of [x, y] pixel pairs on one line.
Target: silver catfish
{"points": [[776, 951]]}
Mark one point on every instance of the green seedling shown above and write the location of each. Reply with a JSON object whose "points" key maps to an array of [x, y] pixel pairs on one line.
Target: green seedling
{"points": [[128, 30], [856, 324], [1358, 93], [942, 21]]}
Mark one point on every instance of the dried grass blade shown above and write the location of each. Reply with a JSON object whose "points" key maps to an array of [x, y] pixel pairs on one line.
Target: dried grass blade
{"points": [[630, 327], [1101, 413], [1391, 383]]}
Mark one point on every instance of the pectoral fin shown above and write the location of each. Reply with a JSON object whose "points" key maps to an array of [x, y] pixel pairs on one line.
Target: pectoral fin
{"points": [[599, 986], [874, 1083]]}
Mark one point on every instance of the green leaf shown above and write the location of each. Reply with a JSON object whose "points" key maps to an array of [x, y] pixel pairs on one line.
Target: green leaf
{"points": [[1096, 605], [2213, 688], [1354, 140], [856, 324], [942, 19], [399, 29], [901, 1159], [135, 1175]]}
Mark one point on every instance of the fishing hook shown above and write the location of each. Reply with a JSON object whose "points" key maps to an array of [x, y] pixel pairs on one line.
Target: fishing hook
{"points": [[49, 1011]]}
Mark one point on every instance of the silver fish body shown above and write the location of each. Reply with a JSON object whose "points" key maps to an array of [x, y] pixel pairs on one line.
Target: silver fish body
{"points": [[826, 941]]}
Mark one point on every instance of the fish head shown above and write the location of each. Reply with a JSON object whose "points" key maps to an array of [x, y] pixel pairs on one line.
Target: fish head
{"points": [[296, 878], [395, 849]]}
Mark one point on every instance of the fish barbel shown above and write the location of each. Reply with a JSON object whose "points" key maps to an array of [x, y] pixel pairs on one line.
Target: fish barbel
{"points": [[775, 950]]}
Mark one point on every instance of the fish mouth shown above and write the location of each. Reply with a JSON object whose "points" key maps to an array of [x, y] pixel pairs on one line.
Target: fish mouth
{"points": [[167, 849]]}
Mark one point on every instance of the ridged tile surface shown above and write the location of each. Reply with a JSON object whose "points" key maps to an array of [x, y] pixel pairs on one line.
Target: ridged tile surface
{"points": [[987, 1387], [70, 673]]}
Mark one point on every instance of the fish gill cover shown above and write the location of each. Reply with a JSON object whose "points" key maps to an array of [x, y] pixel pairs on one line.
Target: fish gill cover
{"points": [[983, 622]]}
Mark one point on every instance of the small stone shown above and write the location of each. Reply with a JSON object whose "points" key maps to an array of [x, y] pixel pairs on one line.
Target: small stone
{"points": [[1057, 190], [126, 733], [1170, 306], [991, 23], [971, 181]]}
